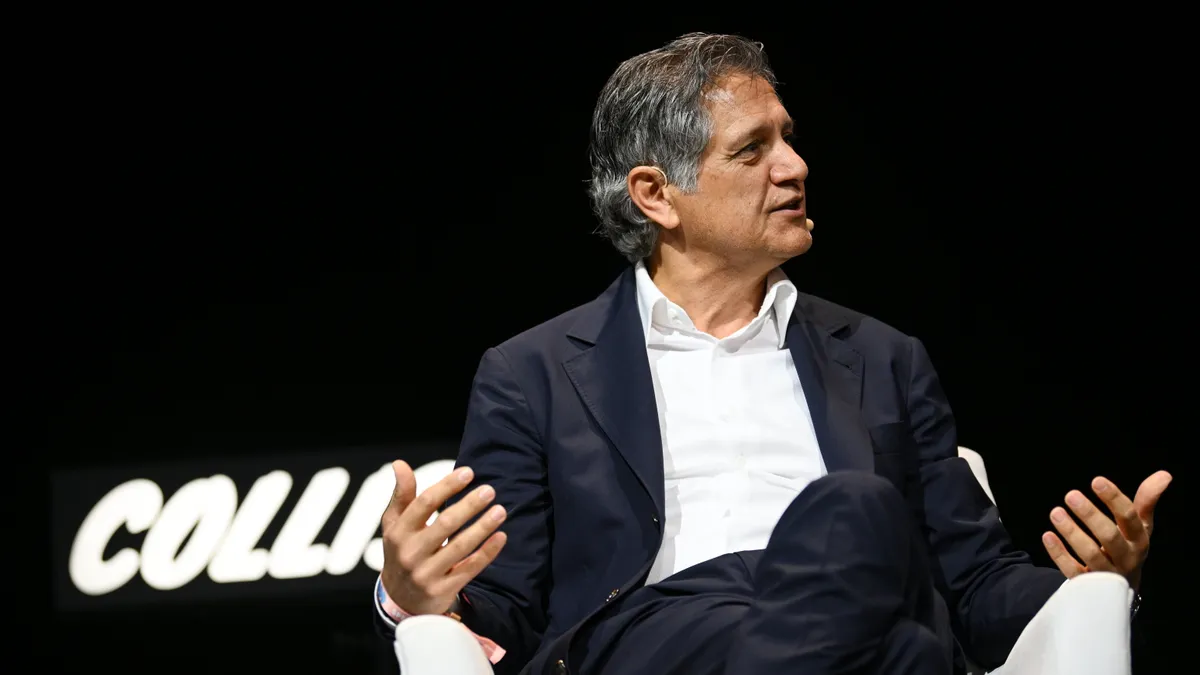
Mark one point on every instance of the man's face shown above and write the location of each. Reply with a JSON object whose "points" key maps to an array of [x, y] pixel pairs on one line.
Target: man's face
{"points": [[749, 202]]}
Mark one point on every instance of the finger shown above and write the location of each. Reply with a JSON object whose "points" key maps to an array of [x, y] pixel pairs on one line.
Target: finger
{"points": [[1061, 556], [1102, 528], [467, 541], [1147, 496], [1123, 512], [1087, 550], [469, 568], [404, 492], [453, 519], [431, 539], [431, 499]]}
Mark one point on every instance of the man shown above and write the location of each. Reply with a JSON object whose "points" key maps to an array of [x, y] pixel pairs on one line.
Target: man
{"points": [[706, 471]]}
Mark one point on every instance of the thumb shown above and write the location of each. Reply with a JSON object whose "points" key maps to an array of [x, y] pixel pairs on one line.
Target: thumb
{"points": [[1148, 494], [406, 487]]}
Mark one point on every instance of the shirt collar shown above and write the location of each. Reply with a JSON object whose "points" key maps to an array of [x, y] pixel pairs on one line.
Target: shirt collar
{"points": [[655, 308]]}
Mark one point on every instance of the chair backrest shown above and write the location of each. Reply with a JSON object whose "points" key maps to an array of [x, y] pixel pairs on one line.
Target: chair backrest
{"points": [[976, 461]]}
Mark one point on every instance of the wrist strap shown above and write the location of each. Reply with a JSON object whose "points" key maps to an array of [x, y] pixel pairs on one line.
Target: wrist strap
{"points": [[493, 651]]}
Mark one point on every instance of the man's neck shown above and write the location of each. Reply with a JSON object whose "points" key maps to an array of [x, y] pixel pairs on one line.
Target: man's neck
{"points": [[720, 299]]}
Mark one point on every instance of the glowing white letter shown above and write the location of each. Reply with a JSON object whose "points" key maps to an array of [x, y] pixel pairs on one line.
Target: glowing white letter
{"points": [[362, 521], [135, 504], [294, 555], [205, 505], [235, 561]]}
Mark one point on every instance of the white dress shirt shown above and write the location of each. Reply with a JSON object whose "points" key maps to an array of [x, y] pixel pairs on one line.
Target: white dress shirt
{"points": [[737, 437]]}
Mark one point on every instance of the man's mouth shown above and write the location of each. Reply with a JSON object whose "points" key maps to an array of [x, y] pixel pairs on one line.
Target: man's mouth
{"points": [[795, 204]]}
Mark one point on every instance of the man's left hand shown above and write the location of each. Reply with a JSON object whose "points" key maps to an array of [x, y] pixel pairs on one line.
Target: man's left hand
{"points": [[1119, 546]]}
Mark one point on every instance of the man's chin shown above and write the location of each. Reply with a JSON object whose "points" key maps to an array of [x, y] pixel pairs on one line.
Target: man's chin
{"points": [[799, 242], [793, 247]]}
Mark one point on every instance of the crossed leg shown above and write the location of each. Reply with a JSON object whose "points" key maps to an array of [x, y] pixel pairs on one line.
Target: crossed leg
{"points": [[844, 588]]}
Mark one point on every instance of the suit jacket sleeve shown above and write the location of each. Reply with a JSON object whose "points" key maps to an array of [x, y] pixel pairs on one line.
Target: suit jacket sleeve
{"points": [[993, 588], [501, 444]]}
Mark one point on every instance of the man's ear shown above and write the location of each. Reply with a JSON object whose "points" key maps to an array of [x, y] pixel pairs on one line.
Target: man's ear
{"points": [[650, 191]]}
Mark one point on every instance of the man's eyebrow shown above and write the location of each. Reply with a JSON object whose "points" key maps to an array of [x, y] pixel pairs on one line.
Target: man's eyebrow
{"points": [[760, 129]]}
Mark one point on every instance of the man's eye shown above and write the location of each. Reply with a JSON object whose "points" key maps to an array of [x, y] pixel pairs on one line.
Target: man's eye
{"points": [[790, 139], [750, 147]]}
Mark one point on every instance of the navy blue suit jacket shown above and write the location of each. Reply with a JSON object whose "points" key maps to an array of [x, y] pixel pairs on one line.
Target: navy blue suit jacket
{"points": [[562, 423]]}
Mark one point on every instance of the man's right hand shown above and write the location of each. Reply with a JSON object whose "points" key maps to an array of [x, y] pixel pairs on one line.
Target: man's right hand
{"points": [[420, 574]]}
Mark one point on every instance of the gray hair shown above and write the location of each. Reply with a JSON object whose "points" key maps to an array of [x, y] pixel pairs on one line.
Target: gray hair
{"points": [[652, 112]]}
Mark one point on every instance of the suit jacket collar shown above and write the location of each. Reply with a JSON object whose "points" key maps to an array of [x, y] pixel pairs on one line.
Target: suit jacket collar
{"points": [[654, 307], [612, 376]]}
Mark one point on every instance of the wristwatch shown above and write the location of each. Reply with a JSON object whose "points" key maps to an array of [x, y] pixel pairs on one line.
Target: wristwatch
{"points": [[455, 611]]}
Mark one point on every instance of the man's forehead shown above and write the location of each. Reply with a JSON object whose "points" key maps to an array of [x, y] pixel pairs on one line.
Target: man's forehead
{"points": [[741, 103], [731, 88]]}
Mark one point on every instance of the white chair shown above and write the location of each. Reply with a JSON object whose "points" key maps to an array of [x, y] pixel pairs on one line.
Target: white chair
{"points": [[1082, 630], [438, 645]]}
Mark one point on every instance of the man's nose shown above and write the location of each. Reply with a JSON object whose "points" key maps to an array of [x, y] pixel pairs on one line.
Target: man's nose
{"points": [[790, 168]]}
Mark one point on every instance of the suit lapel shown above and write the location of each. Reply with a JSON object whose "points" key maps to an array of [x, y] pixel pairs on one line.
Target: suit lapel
{"points": [[831, 373], [612, 376]]}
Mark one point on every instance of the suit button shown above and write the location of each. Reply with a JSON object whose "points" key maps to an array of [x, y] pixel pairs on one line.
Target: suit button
{"points": [[613, 594], [560, 668], [654, 519]]}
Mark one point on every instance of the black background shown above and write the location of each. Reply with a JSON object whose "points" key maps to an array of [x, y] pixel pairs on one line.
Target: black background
{"points": [[277, 233]]}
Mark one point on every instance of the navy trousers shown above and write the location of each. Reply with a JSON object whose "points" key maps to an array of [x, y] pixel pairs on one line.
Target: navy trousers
{"points": [[842, 588]]}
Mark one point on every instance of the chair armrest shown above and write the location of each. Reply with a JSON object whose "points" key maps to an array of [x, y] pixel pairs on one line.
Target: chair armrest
{"points": [[975, 460], [438, 645], [1083, 629]]}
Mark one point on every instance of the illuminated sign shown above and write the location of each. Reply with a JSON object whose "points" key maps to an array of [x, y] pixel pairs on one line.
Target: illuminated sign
{"points": [[301, 524]]}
